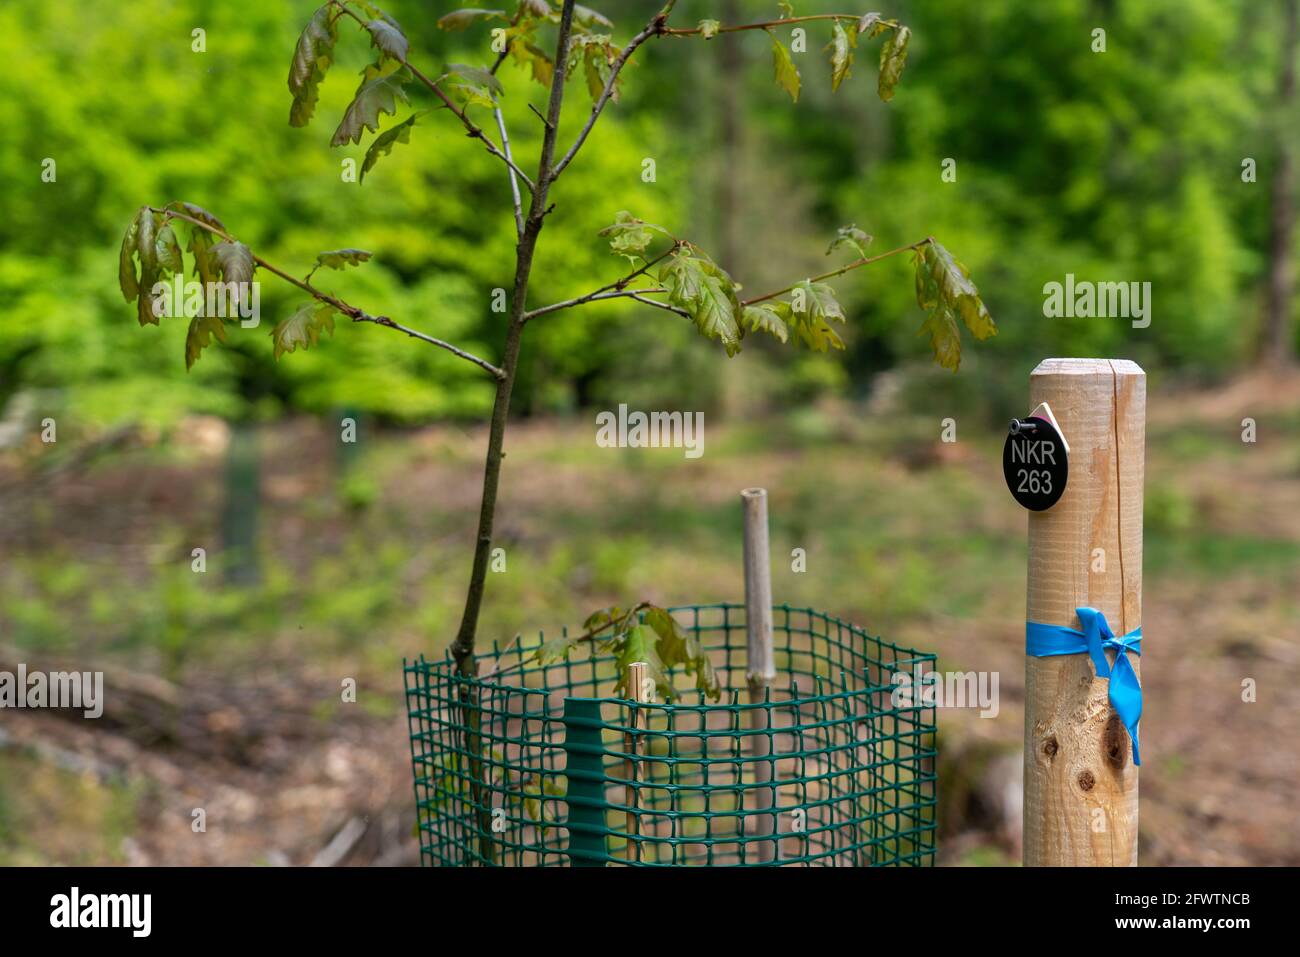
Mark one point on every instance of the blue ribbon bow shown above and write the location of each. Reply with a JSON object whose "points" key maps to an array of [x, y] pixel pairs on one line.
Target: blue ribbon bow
{"points": [[1042, 641]]}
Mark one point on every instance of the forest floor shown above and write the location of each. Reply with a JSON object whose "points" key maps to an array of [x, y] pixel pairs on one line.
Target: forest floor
{"points": [[228, 700]]}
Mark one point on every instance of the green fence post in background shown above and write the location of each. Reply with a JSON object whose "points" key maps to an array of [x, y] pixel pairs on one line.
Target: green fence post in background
{"points": [[239, 513]]}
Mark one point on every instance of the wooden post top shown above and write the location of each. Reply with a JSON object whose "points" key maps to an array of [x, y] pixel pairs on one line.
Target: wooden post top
{"points": [[1087, 367]]}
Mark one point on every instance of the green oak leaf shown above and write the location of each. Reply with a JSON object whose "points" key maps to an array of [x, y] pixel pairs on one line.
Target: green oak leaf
{"points": [[815, 300], [341, 258], [841, 51], [206, 268], [199, 213], [383, 144], [167, 250], [145, 313], [311, 59], [596, 71], [236, 263], [476, 76], [766, 317], [871, 22], [146, 252], [677, 646], [473, 96], [680, 276], [555, 650], [303, 328], [639, 645], [945, 340], [201, 332], [603, 617], [596, 52], [944, 290], [955, 286], [463, 19], [674, 645], [389, 38], [716, 315], [629, 236], [235, 260], [613, 619], [374, 12], [707, 294], [146, 232], [126, 274], [817, 335], [373, 97], [893, 56], [850, 236], [523, 49], [811, 305], [589, 18], [783, 68]]}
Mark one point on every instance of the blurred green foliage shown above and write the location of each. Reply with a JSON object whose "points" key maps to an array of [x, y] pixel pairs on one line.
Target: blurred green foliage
{"points": [[1115, 165]]}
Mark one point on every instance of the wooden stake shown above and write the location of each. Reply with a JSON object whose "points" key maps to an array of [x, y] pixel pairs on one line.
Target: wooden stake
{"points": [[760, 668], [1081, 787], [636, 680]]}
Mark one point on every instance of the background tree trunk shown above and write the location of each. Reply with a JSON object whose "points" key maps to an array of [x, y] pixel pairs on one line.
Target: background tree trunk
{"points": [[1279, 341], [732, 63]]}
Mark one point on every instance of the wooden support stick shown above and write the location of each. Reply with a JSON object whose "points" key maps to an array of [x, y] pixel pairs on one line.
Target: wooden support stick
{"points": [[760, 668], [636, 681], [1081, 787]]}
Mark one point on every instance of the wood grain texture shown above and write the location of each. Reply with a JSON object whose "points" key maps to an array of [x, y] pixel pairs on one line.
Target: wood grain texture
{"points": [[1081, 787]]}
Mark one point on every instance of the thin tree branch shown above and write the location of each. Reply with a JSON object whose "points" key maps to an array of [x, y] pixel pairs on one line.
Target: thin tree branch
{"points": [[505, 137], [514, 183], [602, 293], [655, 302], [545, 121], [486, 366], [591, 297], [615, 627], [618, 289], [768, 24], [352, 312], [857, 263], [471, 127], [656, 26]]}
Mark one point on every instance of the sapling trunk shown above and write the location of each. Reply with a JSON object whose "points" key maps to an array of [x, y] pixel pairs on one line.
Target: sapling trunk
{"points": [[463, 647]]}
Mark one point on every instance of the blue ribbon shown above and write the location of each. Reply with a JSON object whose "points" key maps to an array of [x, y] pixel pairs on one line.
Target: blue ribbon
{"points": [[1042, 641]]}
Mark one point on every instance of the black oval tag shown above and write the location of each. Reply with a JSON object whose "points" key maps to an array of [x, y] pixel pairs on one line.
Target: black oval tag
{"points": [[1035, 464]]}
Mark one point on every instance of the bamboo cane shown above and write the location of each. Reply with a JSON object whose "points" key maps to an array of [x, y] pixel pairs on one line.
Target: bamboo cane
{"points": [[759, 668], [636, 685]]}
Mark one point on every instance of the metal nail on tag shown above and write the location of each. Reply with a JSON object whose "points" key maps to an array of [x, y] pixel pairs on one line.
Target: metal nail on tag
{"points": [[1036, 460]]}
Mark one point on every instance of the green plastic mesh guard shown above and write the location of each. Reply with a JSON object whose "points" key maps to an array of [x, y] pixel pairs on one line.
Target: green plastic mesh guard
{"points": [[540, 766]]}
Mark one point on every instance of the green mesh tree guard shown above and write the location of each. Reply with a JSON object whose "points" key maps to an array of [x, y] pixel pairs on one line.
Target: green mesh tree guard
{"points": [[541, 766]]}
